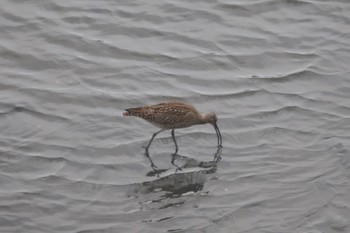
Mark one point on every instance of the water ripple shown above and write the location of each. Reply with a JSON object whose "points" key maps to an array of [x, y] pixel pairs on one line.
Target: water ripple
{"points": [[275, 73]]}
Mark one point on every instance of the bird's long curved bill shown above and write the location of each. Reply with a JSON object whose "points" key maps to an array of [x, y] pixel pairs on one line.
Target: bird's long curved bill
{"points": [[218, 134]]}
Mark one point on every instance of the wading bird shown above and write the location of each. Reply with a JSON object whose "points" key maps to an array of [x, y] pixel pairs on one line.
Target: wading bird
{"points": [[173, 115]]}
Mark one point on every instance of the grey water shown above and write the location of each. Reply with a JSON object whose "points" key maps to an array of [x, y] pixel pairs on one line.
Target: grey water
{"points": [[276, 73]]}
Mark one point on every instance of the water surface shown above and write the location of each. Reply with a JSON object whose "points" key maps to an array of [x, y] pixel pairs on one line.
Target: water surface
{"points": [[275, 72]]}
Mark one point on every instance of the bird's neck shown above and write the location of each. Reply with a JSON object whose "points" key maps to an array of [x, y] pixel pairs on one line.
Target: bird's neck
{"points": [[203, 120]]}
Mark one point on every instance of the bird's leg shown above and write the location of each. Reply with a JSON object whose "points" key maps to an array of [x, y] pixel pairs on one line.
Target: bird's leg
{"points": [[155, 134], [154, 167], [217, 155], [146, 150], [172, 162], [176, 150], [173, 136]]}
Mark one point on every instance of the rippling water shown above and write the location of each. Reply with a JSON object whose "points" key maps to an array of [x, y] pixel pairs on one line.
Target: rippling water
{"points": [[275, 72]]}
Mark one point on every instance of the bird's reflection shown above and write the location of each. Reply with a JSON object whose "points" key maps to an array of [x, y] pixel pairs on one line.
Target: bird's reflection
{"points": [[170, 188], [189, 163], [217, 155]]}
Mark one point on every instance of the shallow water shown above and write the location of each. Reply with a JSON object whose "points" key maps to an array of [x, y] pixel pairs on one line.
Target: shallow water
{"points": [[275, 72]]}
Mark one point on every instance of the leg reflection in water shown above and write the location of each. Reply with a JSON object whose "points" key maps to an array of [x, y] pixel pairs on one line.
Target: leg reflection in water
{"points": [[217, 155], [188, 162]]}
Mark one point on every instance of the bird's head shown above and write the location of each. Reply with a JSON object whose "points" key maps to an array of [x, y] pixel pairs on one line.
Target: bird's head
{"points": [[210, 118]]}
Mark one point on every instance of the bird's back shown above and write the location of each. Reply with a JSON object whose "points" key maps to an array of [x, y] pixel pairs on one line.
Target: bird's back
{"points": [[170, 115]]}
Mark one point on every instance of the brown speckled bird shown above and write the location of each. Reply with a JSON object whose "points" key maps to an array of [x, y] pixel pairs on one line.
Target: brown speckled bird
{"points": [[173, 115]]}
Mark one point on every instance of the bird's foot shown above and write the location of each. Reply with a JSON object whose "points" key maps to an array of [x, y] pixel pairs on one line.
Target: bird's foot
{"points": [[156, 171], [154, 167], [217, 159], [172, 162], [146, 153]]}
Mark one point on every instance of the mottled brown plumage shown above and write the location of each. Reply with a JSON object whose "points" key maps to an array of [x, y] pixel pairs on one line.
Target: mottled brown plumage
{"points": [[173, 115]]}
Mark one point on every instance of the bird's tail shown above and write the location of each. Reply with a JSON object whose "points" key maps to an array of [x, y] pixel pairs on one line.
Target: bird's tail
{"points": [[132, 112]]}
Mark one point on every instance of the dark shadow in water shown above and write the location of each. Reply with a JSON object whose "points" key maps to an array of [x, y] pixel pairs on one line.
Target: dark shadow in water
{"points": [[170, 190], [174, 185], [177, 184]]}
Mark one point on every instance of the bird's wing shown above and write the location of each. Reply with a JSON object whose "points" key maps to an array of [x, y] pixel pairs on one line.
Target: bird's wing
{"points": [[171, 114]]}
